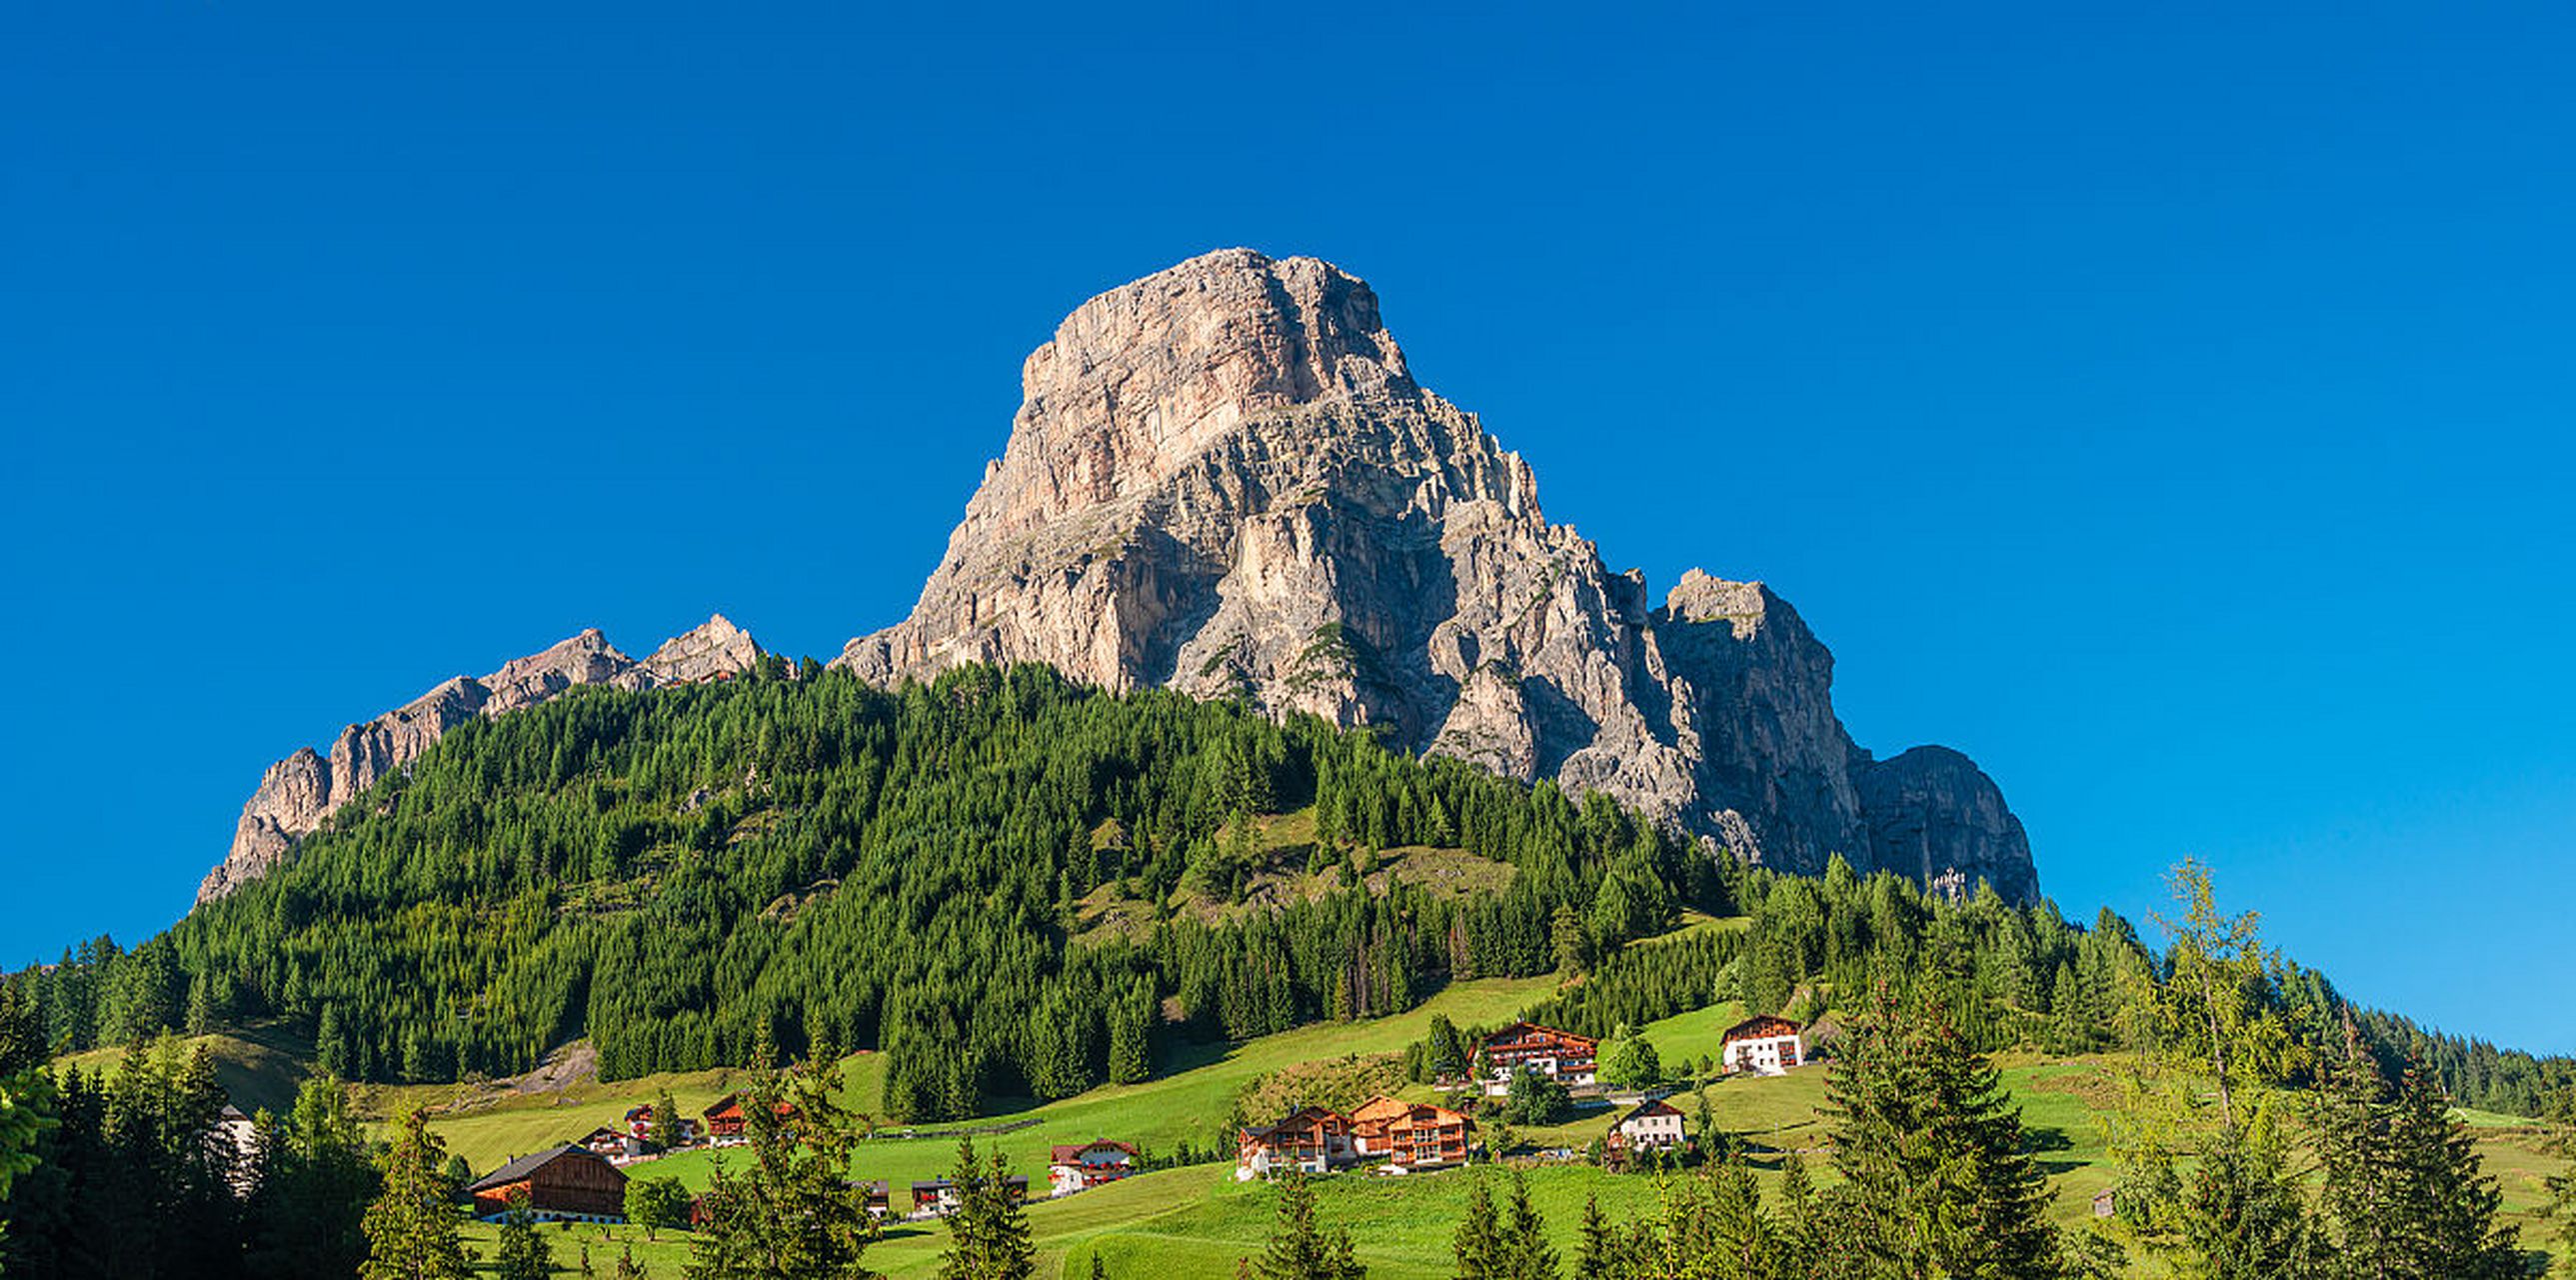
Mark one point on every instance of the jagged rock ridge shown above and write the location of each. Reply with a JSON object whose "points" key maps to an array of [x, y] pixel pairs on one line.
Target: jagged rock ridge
{"points": [[1224, 479], [300, 791]]}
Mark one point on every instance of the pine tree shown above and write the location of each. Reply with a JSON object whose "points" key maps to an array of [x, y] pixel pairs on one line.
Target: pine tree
{"points": [[2240, 1214], [411, 1227], [1526, 1253], [988, 1232], [1596, 1250], [523, 1253], [666, 1121], [2446, 1203], [1478, 1242], [1298, 1248], [792, 1213], [2351, 1115], [2562, 1185], [1741, 1237], [1931, 1150]]}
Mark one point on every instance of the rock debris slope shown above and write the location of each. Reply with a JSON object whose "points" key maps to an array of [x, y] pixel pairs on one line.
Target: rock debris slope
{"points": [[1223, 479]]}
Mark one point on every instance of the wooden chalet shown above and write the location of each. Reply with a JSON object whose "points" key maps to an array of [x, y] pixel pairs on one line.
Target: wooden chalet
{"points": [[567, 1182], [1763, 1045], [1411, 1135], [1560, 1055], [880, 1197], [725, 1118], [1076, 1166], [1307, 1140]]}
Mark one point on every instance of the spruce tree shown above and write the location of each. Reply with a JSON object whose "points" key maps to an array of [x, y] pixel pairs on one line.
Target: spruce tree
{"points": [[1931, 1150], [2240, 1214], [1742, 1240], [792, 1212], [523, 1253], [1596, 1249], [1478, 1241], [411, 1227], [2446, 1202], [1526, 1253], [988, 1232], [1298, 1248], [666, 1121], [2562, 1185]]}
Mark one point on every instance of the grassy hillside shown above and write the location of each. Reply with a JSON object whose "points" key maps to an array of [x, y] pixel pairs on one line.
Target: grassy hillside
{"points": [[1199, 1221]]}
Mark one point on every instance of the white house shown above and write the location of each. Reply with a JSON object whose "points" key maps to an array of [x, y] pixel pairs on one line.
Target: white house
{"points": [[1650, 1126], [1763, 1046], [1073, 1167]]}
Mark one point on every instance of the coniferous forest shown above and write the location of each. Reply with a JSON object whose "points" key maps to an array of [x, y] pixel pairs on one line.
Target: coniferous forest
{"points": [[778, 870], [821, 865]]}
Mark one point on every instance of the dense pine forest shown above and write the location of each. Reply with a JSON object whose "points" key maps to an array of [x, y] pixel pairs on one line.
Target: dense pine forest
{"points": [[677, 873], [817, 864]]}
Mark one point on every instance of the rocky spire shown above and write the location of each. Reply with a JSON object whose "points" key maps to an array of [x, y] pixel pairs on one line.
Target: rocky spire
{"points": [[1223, 478]]}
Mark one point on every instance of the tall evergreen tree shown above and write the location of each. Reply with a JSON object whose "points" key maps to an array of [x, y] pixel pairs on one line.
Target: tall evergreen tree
{"points": [[1299, 1249], [988, 1232], [411, 1227], [1596, 1248], [792, 1212], [523, 1253], [1931, 1150], [1527, 1255], [1478, 1241]]}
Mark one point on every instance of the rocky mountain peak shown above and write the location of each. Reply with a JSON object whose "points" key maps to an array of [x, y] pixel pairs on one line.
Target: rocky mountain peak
{"points": [[297, 793], [1223, 478]]}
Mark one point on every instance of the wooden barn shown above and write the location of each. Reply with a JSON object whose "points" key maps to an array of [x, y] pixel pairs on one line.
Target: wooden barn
{"points": [[566, 1182]]}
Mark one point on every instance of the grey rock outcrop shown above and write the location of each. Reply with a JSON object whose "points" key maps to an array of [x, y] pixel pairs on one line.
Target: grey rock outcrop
{"points": [[1224, 479], [298, 793]]}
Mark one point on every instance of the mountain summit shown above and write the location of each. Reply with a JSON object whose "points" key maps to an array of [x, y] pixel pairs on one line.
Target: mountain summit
{"points": [[300, 791], [1223, 479]]}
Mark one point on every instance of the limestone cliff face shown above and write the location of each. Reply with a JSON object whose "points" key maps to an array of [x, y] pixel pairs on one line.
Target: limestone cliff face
{"points": [[299, 792], [1223, 478]]}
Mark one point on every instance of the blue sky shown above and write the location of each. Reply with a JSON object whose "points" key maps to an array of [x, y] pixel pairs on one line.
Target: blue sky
{"points": [[2168, 407]]}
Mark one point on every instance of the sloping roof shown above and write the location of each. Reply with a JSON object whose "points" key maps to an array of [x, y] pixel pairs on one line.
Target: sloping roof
{"points": [[1381, 1108], [1519, 1032], [1065, 1153], [521, 1169], [1761, 1028], [1650, 1107]]}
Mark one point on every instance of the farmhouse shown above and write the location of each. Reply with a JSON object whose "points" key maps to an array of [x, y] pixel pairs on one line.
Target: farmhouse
{"points": [[566, 1182], [941, 1197], [1411, 1135], [1764, 1046], [1649, 1126], [639, 1125], [611, 1143], [880, 1197], [725, 1118], [1560, 1055], [1072, 1168], [1308, 1140]]}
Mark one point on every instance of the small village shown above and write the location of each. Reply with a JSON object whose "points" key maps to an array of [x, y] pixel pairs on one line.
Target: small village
{"points": [[584, 1179]]}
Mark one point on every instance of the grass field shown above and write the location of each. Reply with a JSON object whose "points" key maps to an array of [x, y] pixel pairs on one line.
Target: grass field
{"points": [[1199, 1221]]}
